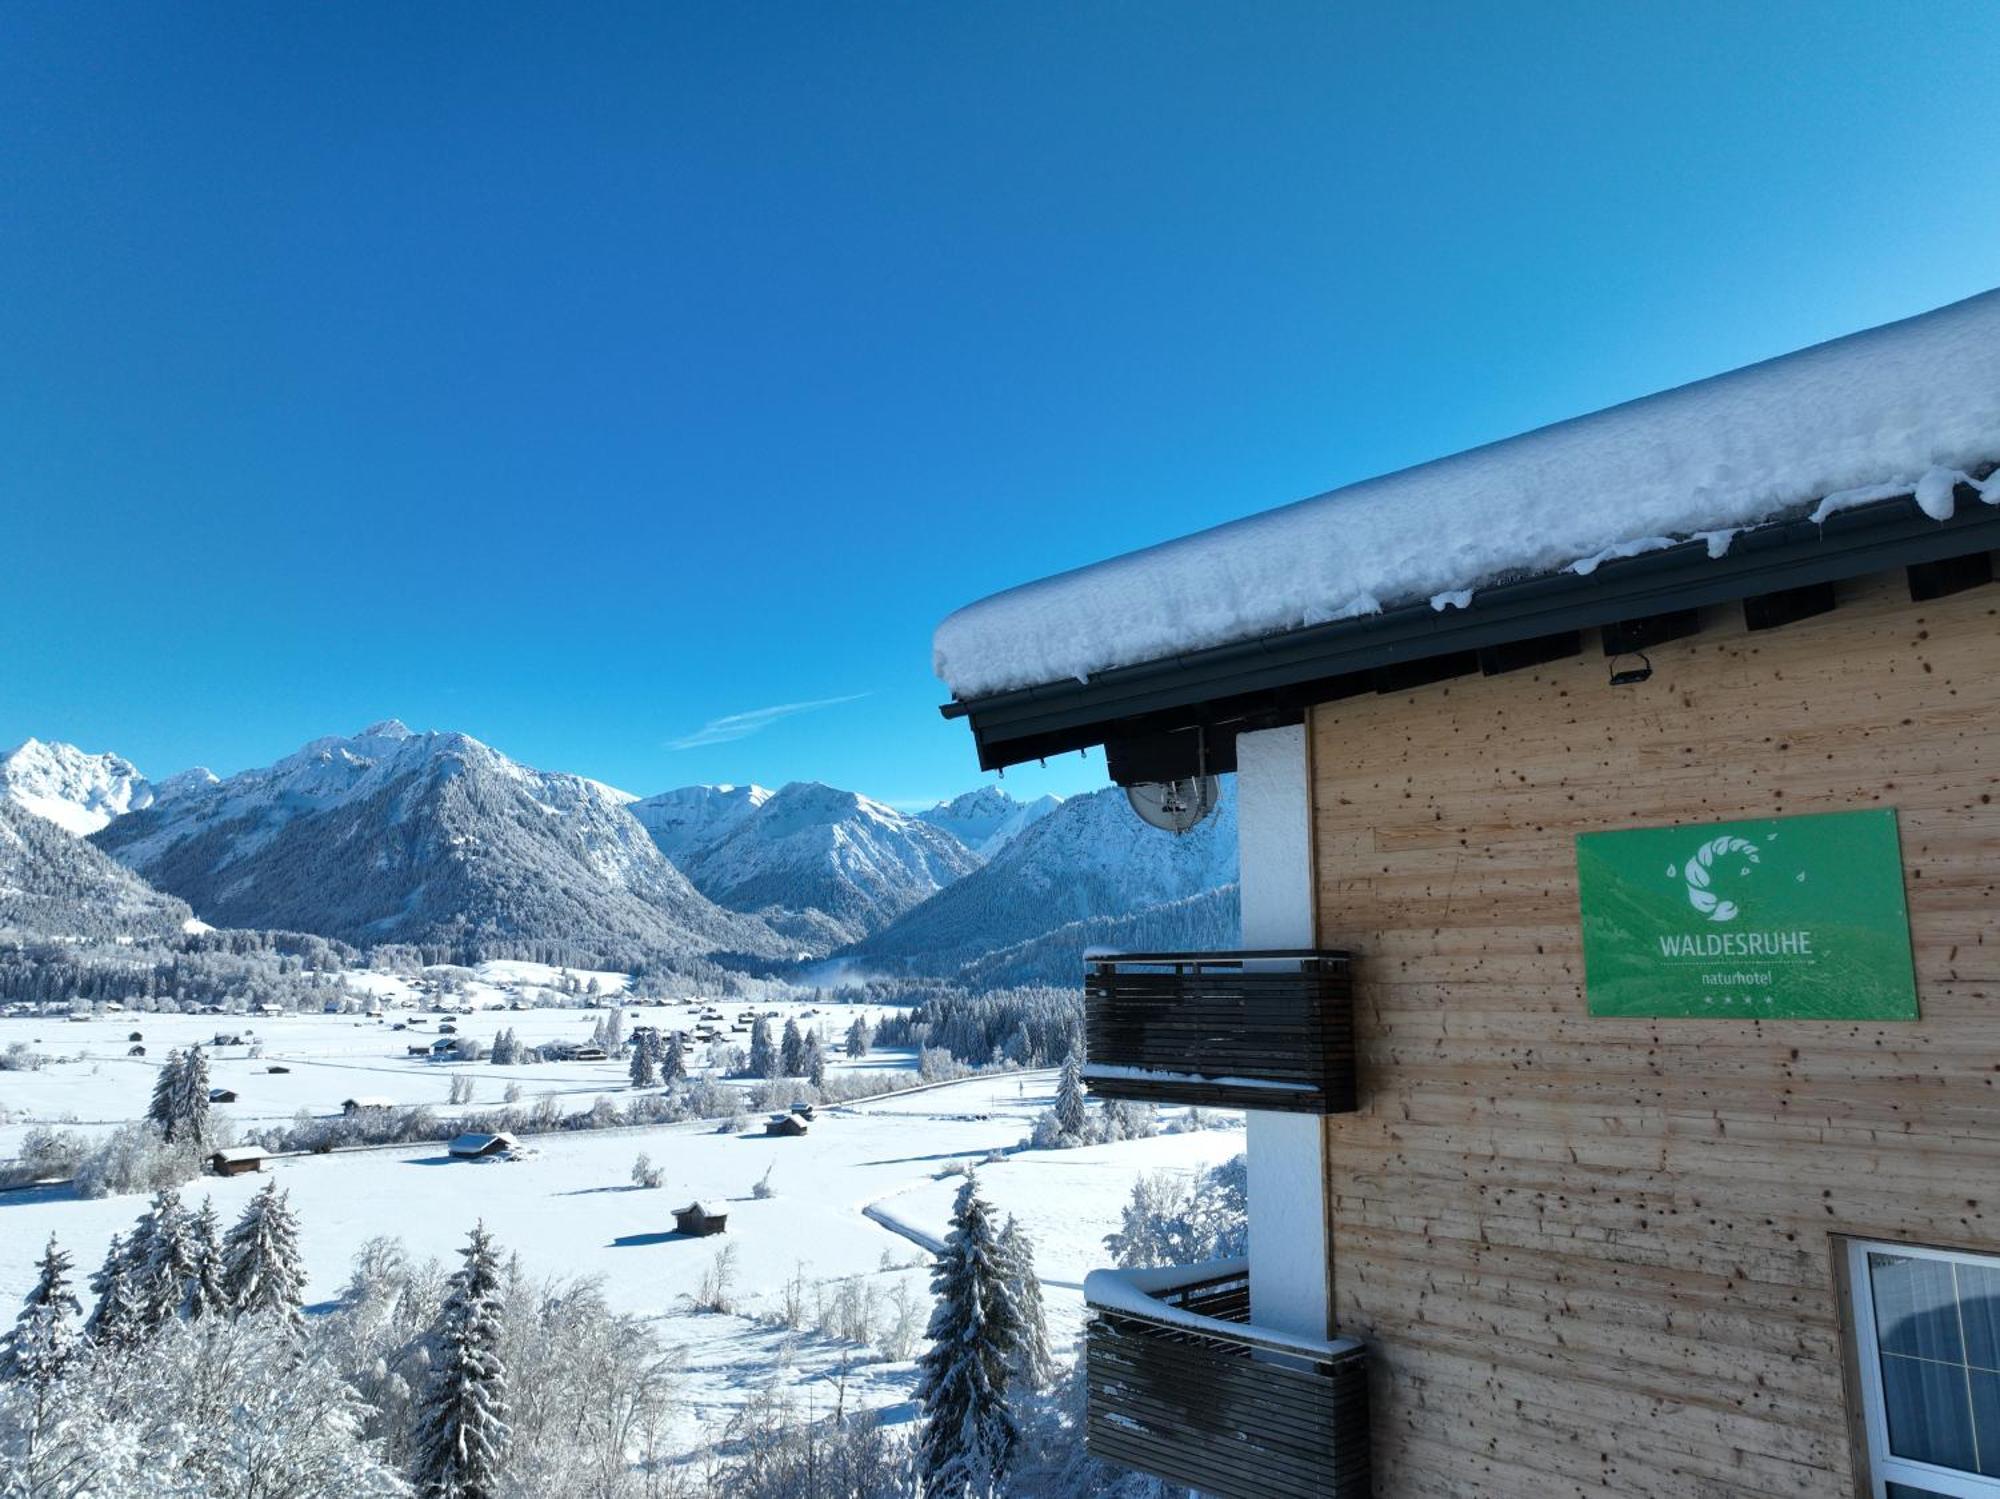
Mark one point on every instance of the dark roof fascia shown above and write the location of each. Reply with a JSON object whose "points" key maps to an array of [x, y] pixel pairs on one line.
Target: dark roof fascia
{"points": [[1054, 718]]}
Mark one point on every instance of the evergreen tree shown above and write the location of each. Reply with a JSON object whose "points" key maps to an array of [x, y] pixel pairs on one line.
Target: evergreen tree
{"points": [[261, 1269], [673, 1065], [763, 1060], [162, 1282], [968, 1428], [1033, 1369], [792, 1051], [815, 1060], [1072, 1117], [644, 1072], [462, 1427], [205, 1294], [114, 1321], [191, 1103], [166, 1095], [858, 1037], [44, 1338]]}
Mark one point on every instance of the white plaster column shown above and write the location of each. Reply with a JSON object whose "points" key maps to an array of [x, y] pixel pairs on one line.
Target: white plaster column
{"points": [[1291, 1268]]}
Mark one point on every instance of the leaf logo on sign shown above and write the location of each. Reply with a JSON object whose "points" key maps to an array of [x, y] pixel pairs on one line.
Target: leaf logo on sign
{"points": [[1699, 872]]}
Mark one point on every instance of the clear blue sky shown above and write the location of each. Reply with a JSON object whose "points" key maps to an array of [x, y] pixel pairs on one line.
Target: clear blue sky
{"points": [[576, 376]]}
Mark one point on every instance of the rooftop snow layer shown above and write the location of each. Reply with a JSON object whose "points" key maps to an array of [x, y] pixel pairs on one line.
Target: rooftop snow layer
{"points": [[1905, 408]]}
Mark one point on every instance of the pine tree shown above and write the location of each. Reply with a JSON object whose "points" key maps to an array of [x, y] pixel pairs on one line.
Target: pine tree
{"points": [[162, 1282], [114, 1321], [206, 1297], [673, 1066], [1072, 1117], [166, 1094], [968, 1427], [462, 1426], [763, 1060], [815, 1060], [614, 1029], [858, 1037], [792, 1051], [261, 1269], [44, 1338], [191, 1103], [1033, 1369], [644, 1073]]}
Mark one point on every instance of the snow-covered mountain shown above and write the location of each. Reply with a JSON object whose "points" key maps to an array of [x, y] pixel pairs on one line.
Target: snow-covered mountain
{"points": [[391, 836], [826, 866], [988, 819], [53, 884], [1091, 858], [78, 792], [685, 822], [1210, 921]]}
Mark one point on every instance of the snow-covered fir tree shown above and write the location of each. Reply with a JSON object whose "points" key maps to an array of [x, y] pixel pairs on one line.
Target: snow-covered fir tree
{"points": [[462, 1434], [261, 1267], [673, 1062], [191, 1098], [815, 1060], [1034, 1367], [968, 1425], [645, 1071], [163, 1281], [1072, 1113], [45, 1336], [206, 1298], [166, 1095], [859, 1037], [792, 1051], [103, 1280], [763, 1056]]}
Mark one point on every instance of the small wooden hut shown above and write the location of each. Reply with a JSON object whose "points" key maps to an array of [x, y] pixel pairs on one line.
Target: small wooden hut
{"points": [[235, 1160], [478, 1146], [786, 1124], [699, 1220]]}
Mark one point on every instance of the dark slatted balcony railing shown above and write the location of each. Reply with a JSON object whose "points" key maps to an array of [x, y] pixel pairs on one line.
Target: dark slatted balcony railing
{"points": [[1246, 1030], [1182, 1387]]}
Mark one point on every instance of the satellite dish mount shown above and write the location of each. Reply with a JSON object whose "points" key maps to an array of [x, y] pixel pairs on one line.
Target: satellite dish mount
{"points": [[1180, 804]]}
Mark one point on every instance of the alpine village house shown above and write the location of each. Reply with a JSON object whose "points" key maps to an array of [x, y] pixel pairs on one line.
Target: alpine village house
{"points": [[1618, 1014]]}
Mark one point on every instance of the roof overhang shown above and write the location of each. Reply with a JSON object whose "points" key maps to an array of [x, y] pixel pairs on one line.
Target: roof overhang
{"points": [[1146, 715]]}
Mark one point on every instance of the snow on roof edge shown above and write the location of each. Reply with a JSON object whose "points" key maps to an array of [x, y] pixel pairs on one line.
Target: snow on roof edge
{"points": [[1906, 407]]}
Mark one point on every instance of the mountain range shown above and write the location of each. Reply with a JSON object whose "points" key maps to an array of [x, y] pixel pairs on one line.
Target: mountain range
{"points": [[441, 842]]}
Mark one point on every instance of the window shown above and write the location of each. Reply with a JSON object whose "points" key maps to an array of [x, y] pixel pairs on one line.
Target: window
{"points": [[1927, 1325]]}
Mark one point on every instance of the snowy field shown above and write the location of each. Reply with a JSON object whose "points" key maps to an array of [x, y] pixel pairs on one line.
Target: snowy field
{"points": [[859, 1198], [95, 1085]]}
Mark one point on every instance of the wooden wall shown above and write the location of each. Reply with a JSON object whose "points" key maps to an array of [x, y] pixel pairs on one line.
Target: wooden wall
{"points": [[1594, 1256]]}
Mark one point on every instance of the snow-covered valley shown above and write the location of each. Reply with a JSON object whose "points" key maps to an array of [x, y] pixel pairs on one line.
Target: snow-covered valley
{"points": [[858, 1200]]}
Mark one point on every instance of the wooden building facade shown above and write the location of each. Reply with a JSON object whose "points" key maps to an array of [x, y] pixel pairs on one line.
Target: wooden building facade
{"points": [[1713, 1247], [1607, 1257]]}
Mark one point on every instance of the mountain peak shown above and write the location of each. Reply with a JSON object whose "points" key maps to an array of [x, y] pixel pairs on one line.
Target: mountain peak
{"points": [[388, 728], [78, 791], [988, 818]]}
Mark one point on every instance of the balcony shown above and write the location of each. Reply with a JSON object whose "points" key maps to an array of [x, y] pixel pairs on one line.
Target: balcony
{"points": [[1182, 1387], [1245, 1030]]}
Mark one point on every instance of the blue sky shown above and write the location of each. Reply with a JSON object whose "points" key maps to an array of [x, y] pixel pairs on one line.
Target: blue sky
{"points": [[635, 388]]}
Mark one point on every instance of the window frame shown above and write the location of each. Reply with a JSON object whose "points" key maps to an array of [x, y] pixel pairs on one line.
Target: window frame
{"points": [[1884, 1467]]}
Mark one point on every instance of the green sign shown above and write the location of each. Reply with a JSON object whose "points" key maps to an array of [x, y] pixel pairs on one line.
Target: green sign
{"points": [[1790, 918]]}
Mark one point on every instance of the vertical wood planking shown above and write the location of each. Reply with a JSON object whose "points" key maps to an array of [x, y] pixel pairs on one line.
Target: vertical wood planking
{"points": [[1594, 1256]]}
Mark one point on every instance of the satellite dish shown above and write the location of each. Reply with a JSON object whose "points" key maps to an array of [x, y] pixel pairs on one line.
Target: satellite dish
{"points": [[1174, 805]]}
